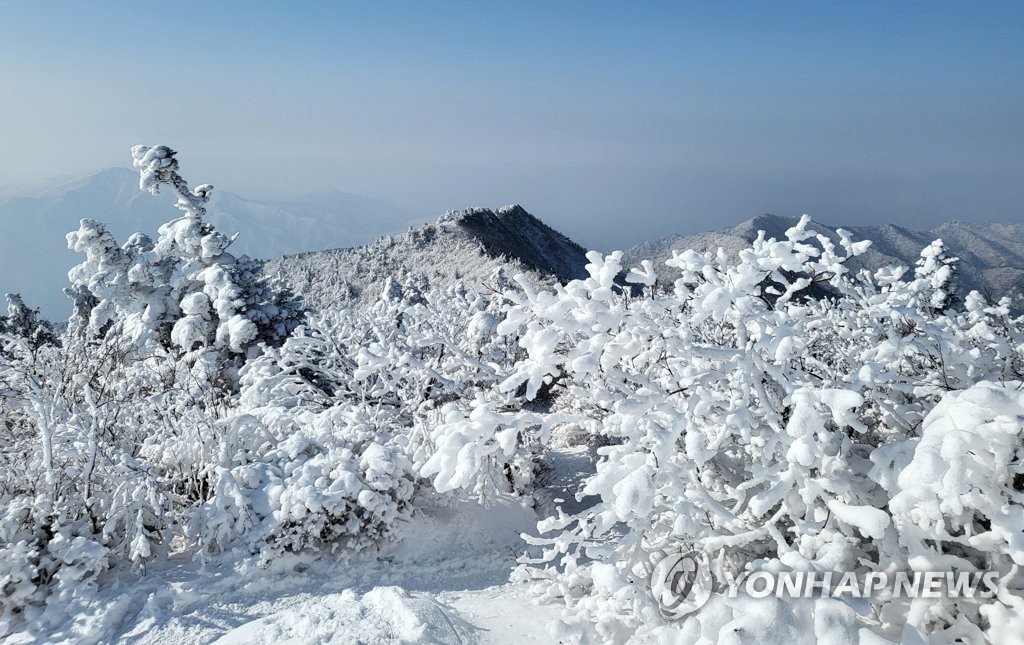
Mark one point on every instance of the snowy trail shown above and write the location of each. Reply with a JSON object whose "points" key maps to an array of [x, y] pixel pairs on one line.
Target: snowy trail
{"points": [[446, 583]]}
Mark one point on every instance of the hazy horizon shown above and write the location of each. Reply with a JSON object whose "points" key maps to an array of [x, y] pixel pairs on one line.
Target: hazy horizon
{"points": [[612, 124]]}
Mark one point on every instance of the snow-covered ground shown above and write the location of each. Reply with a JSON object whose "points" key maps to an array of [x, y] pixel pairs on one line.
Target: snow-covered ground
{"points": [[446, 581]]}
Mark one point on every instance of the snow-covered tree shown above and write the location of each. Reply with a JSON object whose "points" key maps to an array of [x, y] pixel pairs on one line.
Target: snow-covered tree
{"points": [[185, 290], [935, 278], [25, 325]]}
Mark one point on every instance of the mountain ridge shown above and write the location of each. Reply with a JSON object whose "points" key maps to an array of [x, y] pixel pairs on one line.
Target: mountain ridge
{"points": [[470, 246]]}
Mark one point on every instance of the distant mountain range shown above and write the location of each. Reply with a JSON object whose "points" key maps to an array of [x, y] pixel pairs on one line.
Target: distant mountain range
{"points": [[991, 255], [34, 259], [302, 237]]}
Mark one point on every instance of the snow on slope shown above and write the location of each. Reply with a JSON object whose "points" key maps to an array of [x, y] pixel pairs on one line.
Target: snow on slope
{"points": [[34, 259], [468, 245], [991, 255]]}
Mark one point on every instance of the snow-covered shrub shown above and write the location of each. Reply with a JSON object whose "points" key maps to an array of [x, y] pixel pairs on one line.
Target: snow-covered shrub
{"points": [[960, 501], [20, 575], [45, 579], [762, 412], [334, 479], [71, 563], [333, 431], [78, 420], [484, 450]]}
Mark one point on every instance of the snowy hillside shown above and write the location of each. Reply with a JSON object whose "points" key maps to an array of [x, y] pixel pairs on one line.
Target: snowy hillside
{"points": [[34, 259], [991, 255], [468, 457], [468, 246]]}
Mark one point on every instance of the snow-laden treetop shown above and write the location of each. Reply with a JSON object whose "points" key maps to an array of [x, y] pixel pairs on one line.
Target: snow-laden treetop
{"points": [[157, 165]]}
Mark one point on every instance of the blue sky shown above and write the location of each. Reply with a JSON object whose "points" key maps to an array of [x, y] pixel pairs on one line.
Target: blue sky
{"points": [[612, 121]]}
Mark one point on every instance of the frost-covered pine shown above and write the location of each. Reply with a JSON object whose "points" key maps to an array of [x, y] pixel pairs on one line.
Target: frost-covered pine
{"points": [[25, 324], [185, 290]]}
